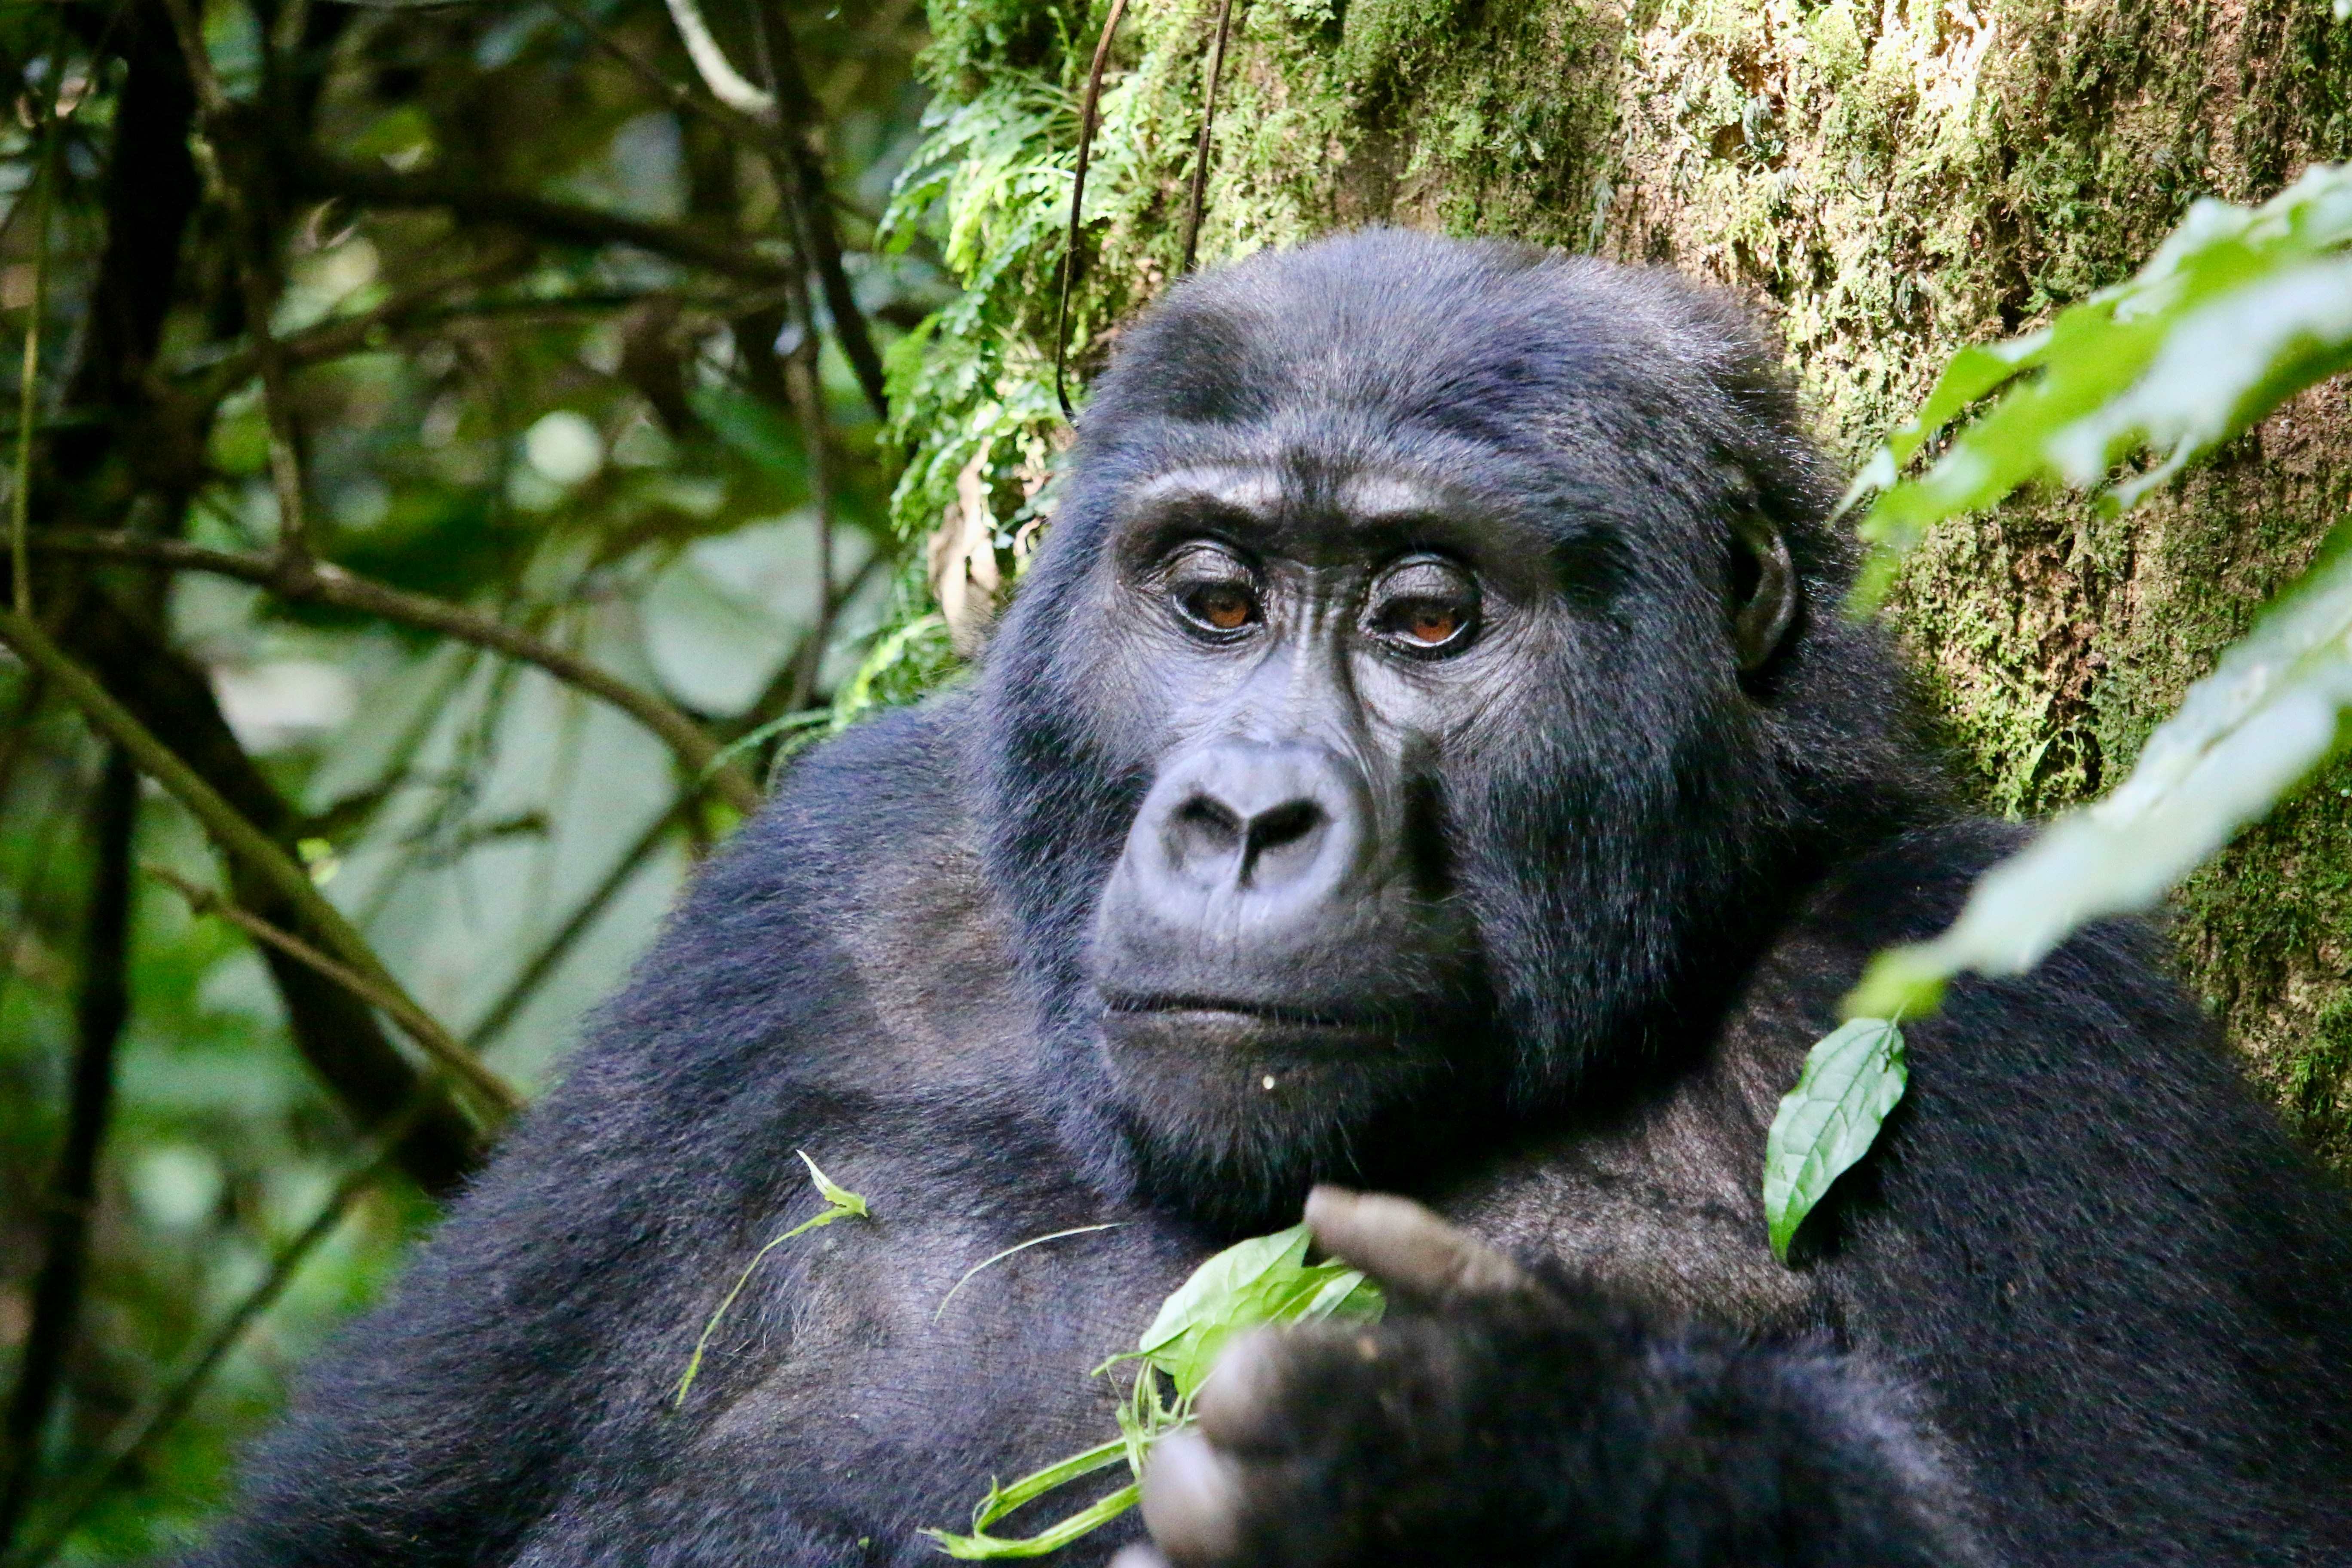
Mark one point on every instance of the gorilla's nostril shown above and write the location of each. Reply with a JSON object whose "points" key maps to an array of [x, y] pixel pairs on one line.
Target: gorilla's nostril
{"points": [[1208, 825], [1285, 823]]}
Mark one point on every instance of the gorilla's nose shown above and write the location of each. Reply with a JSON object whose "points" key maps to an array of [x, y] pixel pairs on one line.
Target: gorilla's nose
{"points": [[1251, 832], [1255, 879]]}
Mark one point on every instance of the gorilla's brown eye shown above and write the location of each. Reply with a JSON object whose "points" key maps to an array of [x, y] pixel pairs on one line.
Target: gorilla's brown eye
{"points": [[1225, 608], [1213, 590], [1431, 624], [1425, 604]]}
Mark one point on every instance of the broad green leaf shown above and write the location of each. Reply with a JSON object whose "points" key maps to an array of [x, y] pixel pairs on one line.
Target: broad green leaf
{"points": [[2244, 735], [2239, 309], [1265, 1280], [1853, 1078]]}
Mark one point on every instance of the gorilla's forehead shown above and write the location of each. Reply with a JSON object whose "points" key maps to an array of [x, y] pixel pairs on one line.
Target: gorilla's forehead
{"points": [[1337, 477], [1311, 503]]}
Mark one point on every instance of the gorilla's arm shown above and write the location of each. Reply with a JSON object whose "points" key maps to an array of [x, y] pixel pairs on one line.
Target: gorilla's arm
{"points": [[525, 1362], [1500, 1415]]}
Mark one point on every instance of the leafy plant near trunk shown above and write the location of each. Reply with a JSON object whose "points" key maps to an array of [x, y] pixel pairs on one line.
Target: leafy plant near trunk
{"points": [[2237, 310]]}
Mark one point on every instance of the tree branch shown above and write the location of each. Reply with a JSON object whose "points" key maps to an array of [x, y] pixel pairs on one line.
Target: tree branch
{"points": [[251, 245], [811, 208], [131, 1437], [340, 1037], [417, 1024], [318, 175], [101, 1010], [238, 838], [744, 129], [326, 583], [711, 64]]}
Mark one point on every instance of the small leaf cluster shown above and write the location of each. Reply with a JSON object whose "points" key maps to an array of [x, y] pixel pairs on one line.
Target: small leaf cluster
{"points": [[1265, 1280]]}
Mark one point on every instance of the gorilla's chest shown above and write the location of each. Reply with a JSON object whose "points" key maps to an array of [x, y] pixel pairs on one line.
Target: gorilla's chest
{"points": [[889, 1356]]}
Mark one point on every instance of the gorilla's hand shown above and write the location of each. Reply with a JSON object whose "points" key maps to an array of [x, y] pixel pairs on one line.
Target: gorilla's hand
{"points": [[1340, 1444], [1499, 1415]]}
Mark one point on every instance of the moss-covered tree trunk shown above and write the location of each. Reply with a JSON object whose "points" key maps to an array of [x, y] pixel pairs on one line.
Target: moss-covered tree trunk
{"points": [[1885, 180]]}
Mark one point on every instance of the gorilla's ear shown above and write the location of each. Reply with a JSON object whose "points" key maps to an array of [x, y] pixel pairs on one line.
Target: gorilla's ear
{"points": [[1763, 588]]}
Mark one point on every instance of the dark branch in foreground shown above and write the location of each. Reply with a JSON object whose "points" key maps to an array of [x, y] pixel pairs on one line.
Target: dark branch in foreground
{"points": [[101, 1010], [316, 176]]}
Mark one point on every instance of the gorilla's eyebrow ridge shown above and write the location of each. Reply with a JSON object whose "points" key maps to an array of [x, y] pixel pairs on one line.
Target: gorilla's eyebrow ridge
{"points": [[1260, 490], [1249, 488]]}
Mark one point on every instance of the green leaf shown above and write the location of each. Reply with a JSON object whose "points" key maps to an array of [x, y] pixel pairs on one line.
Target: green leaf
{"points": [[1265, 1280], [1853, 1078], [2244, 735], [845, 1204], [2239, 309], [840, 1204]]}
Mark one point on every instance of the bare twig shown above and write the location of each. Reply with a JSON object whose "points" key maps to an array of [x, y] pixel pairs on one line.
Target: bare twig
{"points": [[711, 64], [1088, 106], [20, 499], [324, 582], [348, 334], [245, 843], [743, 128], [257, 279], [395, 1003], [811, 207], [808, 405], [555, 220], [1208, 131]]}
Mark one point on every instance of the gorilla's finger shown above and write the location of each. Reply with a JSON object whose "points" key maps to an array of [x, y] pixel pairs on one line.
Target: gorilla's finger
{"points": [[1240, 1406], [1193, 1501], [1407, 1249]]}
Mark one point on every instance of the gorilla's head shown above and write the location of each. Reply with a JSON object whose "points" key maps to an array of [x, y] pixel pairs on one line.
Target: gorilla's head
{"points": [[1431, 683]]}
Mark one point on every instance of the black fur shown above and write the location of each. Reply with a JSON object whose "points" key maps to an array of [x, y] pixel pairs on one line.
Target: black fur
{"points": [[2084, 1304]]}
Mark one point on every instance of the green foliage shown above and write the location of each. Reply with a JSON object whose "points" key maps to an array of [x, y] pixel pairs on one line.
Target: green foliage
{"points": [[589, 443], [1852, 1079], [2237, 311], [2244, 737], [1265, 1280]]}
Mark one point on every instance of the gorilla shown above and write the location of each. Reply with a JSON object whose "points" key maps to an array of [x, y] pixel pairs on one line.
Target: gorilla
{"points": [[1427, 756]]}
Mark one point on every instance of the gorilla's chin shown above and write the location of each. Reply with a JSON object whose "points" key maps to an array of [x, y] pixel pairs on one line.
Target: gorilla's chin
{"points": [[1248, 1110]]}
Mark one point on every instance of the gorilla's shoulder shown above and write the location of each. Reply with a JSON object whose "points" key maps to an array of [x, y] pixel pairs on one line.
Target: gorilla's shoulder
{"points": [[2113, 979], [844, 935], [2094, 1070]]}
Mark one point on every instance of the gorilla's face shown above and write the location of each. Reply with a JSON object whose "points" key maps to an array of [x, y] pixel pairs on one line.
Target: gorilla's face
{"points": [[1300, 661], [1400, 712]]}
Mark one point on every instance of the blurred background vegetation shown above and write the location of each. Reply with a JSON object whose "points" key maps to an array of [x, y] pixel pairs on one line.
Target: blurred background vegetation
{"points": [[461, 451], [442, 440]]}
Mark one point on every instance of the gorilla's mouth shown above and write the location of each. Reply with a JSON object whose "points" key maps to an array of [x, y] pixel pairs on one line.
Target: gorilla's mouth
{"points": [[1193, 1037], [1281, 1016]]}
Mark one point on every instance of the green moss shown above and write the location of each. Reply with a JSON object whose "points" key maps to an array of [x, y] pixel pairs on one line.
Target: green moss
{"points": [[1887, 180]]}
